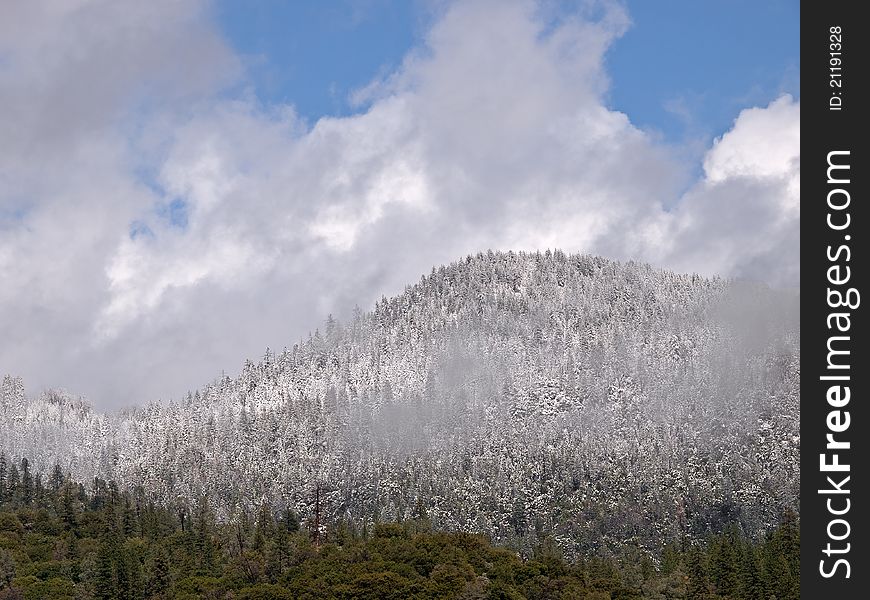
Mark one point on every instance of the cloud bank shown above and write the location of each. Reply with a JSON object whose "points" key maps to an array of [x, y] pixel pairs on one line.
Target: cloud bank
{"points": [[159, 224]]}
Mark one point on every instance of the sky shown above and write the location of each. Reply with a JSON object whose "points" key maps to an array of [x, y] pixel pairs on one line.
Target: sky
{"points": [[184, 183]]}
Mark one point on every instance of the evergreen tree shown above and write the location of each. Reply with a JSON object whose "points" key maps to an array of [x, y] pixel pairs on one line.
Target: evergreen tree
{"points": [[157, 577], [72, 546], [135, 577], [110, 577], [699, 584], [129, 519], [3, 476], [263, 527], [290, 521], [421, 515], [124, 585], [751, 581], [724, 564], [13, 483], [68, 508], [7, 568], [26, 483], [203, 523], [99, 494], [670, 558], [782, 559], [38, 490], [105, 576], [56, 479]]}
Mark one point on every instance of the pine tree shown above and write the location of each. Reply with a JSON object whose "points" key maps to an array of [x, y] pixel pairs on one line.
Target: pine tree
{"points": [[130, 520], [203, 525], [56, 479], [7, 568], [72, 545], [290, 521], [263, 527], [699, 585], [13, 483], [68, 508], [670, 558], [38, 490], [781, 559], [517, 518], [751, 581], [279, 554], [157, 572], [122, 571], [99, 494], [788, 540], [26, 483], [421, 515], [105, 573], [3, 477], [135, 577], [724, 564]]}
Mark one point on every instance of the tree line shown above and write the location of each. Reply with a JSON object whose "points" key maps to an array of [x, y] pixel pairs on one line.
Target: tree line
{"points": [[62, 539]]}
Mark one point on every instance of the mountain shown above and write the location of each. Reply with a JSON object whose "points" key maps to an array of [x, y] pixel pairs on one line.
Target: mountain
{"points": [[524, 395]]}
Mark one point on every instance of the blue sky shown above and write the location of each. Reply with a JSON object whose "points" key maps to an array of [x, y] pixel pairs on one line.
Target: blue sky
{"points": [[684, 68], [313, 54]]}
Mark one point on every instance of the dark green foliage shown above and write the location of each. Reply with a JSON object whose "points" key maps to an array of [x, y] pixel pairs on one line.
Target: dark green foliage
{"points": [[725, 564], [696, 569], [12, 483], [26, 482], [7, 568], [4, 468], [113, 544], [289, 521], [157, 578]]}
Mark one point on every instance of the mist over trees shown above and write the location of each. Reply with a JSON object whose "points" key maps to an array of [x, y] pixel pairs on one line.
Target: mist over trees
{"points": [[525, 396], [68, 541]]}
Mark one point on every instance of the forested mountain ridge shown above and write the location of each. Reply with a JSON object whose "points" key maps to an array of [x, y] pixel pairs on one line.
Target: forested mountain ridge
{"points": [[519, 395], [60, 541]]}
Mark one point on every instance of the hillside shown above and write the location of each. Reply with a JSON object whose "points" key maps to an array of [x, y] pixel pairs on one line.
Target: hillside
{"points": [[60, 542], [518, 395]]}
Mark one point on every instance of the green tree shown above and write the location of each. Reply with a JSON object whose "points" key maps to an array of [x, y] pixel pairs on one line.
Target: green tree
{"points": [[109, 572], [670, 558], [13, 483], [289, 520], [129, 519], [202, 529], [780, 581], [724, 564], [56, 479], [38, 490], [699, 584], [68, 508], [7, 568], [156, 573], [751, 581], [263, 527], [3, 476], [781, 559], [105, 584]]}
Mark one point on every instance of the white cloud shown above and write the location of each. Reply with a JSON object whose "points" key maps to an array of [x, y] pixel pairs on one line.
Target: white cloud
{"points": [[743, 218], [495, 134], [763, 144]]}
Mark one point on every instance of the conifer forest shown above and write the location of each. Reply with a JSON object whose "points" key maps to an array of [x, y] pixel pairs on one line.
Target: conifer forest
{"points": [[513, 425]]}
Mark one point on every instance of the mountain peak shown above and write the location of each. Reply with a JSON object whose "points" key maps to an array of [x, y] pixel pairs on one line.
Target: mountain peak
{"points": [[517, 394]]}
